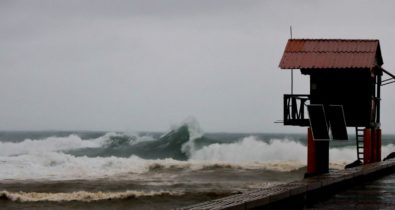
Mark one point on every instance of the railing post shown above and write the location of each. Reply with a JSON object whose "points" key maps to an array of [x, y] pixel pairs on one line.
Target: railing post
{"points": [[285, 99], [294, 108]]}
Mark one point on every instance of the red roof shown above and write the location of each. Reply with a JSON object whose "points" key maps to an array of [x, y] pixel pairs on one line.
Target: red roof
{"points": [[331, 53]]}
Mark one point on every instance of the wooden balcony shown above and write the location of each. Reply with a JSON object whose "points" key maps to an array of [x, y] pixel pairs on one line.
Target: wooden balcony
{"points": [[295, 113]]}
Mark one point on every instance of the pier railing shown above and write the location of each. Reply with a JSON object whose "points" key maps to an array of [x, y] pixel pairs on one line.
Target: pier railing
{"points": [[295, 109]]}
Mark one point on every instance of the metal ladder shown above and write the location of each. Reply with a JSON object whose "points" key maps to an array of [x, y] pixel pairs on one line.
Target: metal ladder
{"points": [[359, 134]]}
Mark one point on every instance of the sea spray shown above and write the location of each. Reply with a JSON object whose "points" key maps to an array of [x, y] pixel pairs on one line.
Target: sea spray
{"points": [[195, 132], [387, 149]]}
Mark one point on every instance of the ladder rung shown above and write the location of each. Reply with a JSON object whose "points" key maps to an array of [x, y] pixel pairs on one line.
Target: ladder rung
{"points": [[359, 138]]}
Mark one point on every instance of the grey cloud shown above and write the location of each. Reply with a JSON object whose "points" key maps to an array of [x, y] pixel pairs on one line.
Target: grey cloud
{"points": [[145, 65]]}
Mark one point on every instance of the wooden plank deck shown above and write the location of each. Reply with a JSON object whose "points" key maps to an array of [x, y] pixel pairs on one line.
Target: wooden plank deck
{"points": [[376, 194], [300, 194]]}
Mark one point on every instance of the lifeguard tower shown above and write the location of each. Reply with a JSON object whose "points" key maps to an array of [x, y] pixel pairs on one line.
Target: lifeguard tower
{"points": [[345, 81]]}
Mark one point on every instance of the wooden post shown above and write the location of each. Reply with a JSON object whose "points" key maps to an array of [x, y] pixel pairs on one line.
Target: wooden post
{"points": [[372, 145]]}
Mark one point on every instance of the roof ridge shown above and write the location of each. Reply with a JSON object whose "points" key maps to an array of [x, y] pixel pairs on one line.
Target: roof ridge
{"points": [[321, 51], [334, 39]]}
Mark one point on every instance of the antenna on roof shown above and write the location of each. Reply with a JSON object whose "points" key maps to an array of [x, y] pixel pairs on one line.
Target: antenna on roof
{"points": [[290, 30], [292, 71]]}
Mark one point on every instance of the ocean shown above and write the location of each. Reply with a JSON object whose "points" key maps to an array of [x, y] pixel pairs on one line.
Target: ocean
{"points": [[149, 170]]}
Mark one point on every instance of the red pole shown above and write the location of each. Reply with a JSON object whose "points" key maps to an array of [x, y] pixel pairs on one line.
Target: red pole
{"points": [[367, 146]]}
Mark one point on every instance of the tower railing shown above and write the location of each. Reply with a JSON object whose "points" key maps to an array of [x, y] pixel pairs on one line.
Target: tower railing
{"points": [[295, 109]]}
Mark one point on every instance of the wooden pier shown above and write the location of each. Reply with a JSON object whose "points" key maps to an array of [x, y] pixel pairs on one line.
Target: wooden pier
{"points": [[303, 193]]}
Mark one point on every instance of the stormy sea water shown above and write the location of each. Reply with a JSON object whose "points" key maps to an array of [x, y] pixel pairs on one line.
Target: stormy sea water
{"points": [[118, 170]]}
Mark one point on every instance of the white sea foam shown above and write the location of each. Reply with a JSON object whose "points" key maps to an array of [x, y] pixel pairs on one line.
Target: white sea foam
{"points": [[82, 196], [59, 166], [348, 154], [49, 144], [251, 149], [66, 143], [283, 153], [44, 159]]}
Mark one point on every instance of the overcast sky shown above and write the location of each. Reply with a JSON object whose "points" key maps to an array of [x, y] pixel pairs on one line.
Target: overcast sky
{"points": [[146, 65]]}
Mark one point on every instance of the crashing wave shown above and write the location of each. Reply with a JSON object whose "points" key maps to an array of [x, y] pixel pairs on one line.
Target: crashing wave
{"points": [[182, 148], [179, 143]]}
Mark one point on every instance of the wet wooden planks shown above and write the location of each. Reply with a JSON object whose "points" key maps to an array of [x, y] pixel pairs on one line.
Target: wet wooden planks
{"points": [[298, 194], [377, 194]]}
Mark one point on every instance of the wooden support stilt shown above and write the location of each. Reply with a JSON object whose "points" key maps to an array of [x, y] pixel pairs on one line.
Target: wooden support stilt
{"points": [[372, 145], [317, 155]]}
